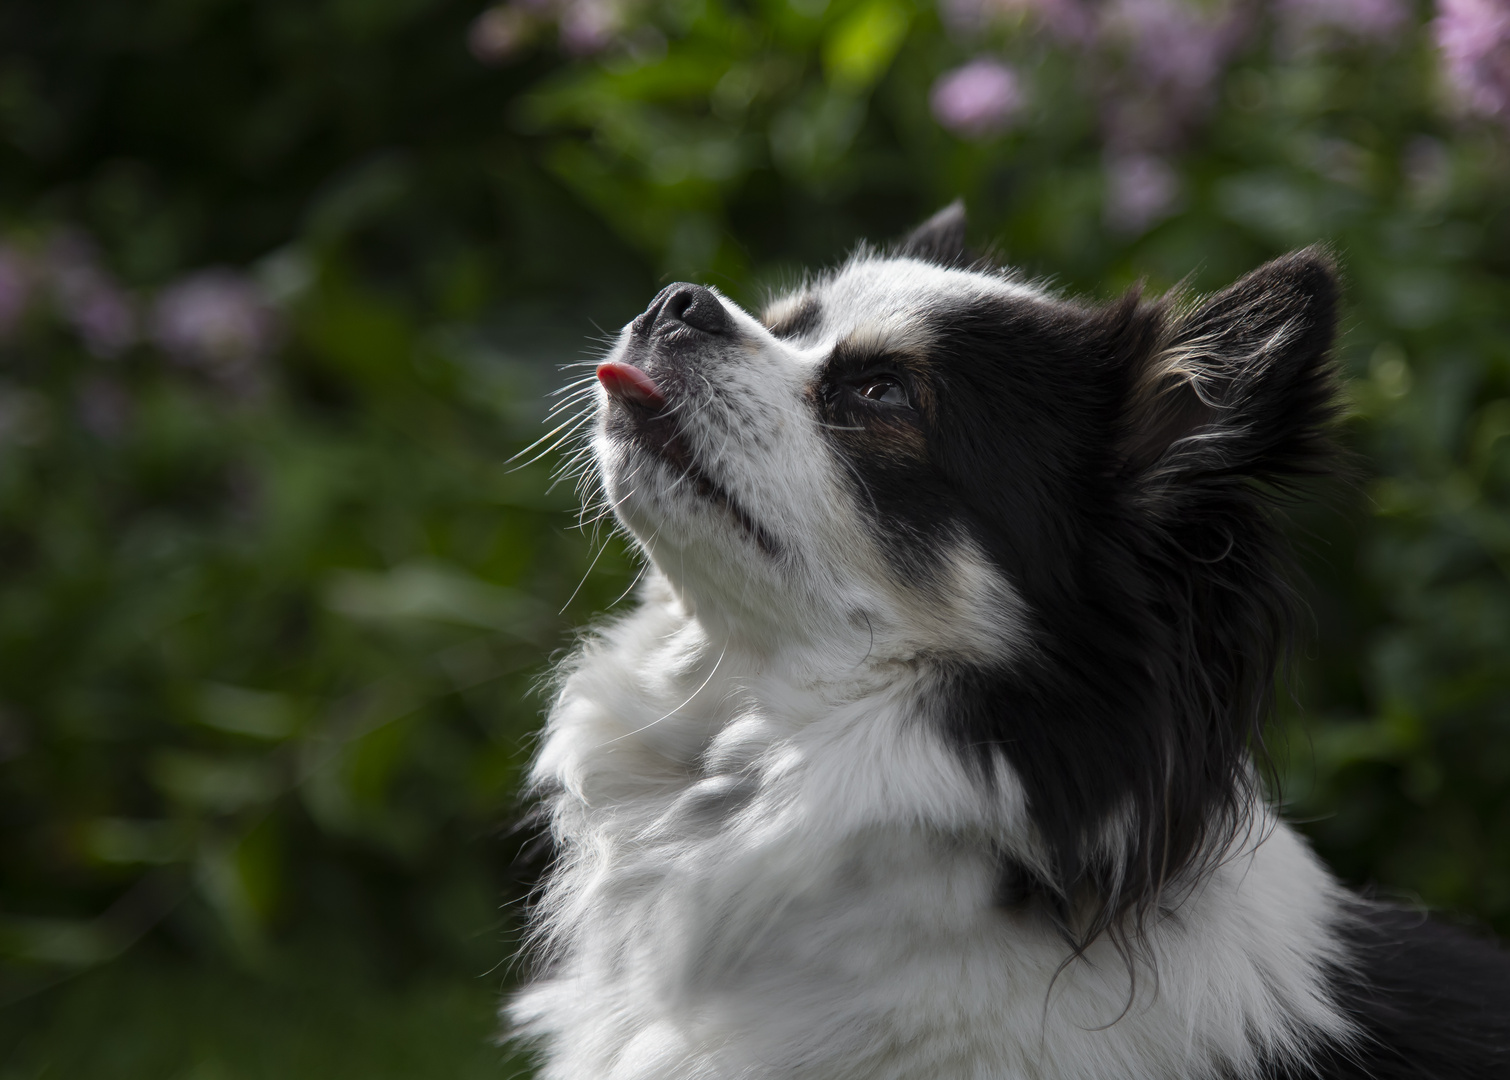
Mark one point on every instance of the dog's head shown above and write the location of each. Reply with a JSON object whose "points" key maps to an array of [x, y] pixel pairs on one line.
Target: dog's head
{"points": [[1058, 513]]}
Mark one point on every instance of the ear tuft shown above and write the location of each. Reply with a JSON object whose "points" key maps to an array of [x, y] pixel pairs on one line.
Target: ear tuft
{"points": [[940, 239], [1241, 386]]}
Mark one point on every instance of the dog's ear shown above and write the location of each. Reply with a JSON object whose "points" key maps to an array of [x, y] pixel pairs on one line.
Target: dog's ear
{"points": [[940, 239], [1240, 388], [1225, 403]]}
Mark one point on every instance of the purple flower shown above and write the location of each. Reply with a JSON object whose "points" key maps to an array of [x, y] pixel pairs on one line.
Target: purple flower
{"points": [[1474, 36], [217, 321], [1173, 53], [1140, 190], [979, 99], [1375, 19], [500, 32], [99, 310], [1173, 44], [586, 26], [589, 26], [15, 287]]}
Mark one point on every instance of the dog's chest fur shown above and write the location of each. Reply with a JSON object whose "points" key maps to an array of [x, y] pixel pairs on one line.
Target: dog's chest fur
{"points": [[764, 874]]}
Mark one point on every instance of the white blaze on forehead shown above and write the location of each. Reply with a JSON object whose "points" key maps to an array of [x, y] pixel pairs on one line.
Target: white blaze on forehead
{"points": [[888, 300]]}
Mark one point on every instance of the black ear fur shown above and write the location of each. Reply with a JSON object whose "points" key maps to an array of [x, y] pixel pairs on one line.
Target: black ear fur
{"points": [[1158, 639], [940, 239], [1241, 387], [1228, 406]]}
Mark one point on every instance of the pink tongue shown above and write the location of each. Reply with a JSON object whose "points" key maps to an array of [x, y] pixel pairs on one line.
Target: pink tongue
{"points": [[628, 383]]}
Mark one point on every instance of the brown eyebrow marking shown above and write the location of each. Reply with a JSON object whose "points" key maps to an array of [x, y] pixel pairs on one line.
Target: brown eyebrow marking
{"points": [[785, 319], [864, 346], [863, 352]]}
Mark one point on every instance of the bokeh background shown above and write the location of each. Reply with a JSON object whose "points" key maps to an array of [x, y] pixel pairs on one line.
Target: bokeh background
{"points": [[285, 283]]}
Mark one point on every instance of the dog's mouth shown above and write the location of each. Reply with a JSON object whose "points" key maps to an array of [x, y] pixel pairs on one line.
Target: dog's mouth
{"points": [[640, 412]]}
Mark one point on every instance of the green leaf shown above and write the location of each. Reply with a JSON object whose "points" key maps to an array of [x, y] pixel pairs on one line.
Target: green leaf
{"points": [[862, 46], [257, 714], [430, 591], [214, 784]]}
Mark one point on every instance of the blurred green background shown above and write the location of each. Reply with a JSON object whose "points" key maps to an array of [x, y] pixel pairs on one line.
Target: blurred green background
{"points": [[285, 283]]}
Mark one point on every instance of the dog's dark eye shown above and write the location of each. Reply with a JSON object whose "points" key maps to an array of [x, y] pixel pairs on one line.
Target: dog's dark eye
{"points": [[886, 391]]}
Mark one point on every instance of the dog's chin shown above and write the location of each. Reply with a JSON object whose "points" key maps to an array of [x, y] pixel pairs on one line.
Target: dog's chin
{"points": [[657, 460]]}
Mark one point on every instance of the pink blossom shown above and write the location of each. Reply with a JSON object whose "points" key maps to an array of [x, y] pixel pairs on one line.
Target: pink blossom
{"points": [[89, 298], [585, 26], [979, 99], [589, 26], [217, 321], [1474, 36], [1172, 43], [1140, 190], [499, 33], [1375, 19]]}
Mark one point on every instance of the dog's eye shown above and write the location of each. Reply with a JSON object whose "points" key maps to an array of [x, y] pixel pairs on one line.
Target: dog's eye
{"points": [[886, 391]]}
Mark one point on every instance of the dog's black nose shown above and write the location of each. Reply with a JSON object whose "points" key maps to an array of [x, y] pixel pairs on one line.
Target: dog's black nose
{"points": [[694, 306]]}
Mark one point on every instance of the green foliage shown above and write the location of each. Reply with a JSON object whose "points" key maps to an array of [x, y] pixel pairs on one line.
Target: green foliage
{"points": [[149, 1017], [240, 633], [270, 616]]}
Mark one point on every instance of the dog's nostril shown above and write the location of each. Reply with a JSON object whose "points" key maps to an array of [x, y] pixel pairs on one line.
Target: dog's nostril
{"points": [[678, 303], [697, 307]]}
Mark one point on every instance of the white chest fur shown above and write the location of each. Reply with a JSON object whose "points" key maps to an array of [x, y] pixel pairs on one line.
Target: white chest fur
{"points": [[772, 875]]}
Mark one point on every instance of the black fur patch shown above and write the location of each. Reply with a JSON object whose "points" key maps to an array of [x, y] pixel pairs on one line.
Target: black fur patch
{"points": [[1118, 465], [1431, 1002]]}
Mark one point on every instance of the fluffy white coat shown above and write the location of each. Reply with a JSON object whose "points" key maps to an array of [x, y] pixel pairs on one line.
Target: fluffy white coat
{"points": [[777, 873]]}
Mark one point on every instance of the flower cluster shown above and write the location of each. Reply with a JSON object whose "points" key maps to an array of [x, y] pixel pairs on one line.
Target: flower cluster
{"points": [[1474, 36], [1154, 66], [87, 296], [66, 276], [585, 27], [981, 98], [217, 322], [1172, 47], [1365, 20]]}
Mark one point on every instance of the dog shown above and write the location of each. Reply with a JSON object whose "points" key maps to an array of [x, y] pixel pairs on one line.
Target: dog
{"points": [[927, 749]]}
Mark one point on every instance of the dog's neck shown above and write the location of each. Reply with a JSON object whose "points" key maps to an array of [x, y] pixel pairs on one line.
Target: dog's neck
{"points": [[661, 701]]}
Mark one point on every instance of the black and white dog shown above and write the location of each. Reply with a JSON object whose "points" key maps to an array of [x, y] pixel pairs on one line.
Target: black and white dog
{"points": [[925, 754]]}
